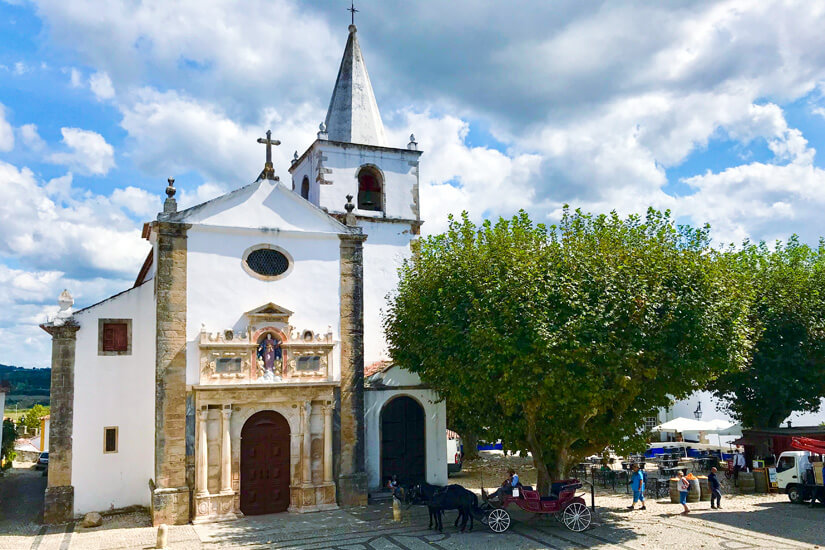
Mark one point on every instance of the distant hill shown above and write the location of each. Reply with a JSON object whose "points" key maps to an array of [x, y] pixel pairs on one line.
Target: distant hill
{"points": [[28, 386]]}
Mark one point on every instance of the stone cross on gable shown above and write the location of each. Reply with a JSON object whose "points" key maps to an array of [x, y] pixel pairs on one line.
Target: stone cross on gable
{"points": [[269, 170], [353, 11]]}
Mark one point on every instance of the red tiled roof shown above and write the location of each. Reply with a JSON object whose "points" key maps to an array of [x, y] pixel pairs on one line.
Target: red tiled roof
{"points": [[376, 367]]}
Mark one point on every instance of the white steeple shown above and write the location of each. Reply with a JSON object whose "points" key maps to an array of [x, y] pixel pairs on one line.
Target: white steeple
{"points": [[353, 115]]}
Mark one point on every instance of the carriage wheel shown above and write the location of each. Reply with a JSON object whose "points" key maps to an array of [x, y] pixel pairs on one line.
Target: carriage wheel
{"points": [[576, 517], [498, 520]]}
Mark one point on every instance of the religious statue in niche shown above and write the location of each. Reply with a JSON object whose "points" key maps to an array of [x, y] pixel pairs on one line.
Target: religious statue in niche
{"points": [[269, 359]]}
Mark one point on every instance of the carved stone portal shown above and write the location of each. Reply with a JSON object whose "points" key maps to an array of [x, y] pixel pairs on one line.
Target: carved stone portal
{"points": [[229, 357]]}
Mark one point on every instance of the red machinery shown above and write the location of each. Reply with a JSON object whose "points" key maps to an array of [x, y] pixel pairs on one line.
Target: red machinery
{"points": [[816, 446]]}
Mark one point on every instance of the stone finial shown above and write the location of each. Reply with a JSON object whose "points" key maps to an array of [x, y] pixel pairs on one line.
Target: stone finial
{"points": [[322, 131], [412, 145], [65, 303], [352, 29], [295, 157], [170, 205], [350, 217]]}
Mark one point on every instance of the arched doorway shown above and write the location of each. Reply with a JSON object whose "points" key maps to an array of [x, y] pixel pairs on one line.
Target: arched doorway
{"points": [[403, 451], [265, 464]]}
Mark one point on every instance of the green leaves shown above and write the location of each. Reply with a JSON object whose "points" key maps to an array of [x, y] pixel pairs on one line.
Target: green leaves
{"points": [[592, 324], [786, 371]]}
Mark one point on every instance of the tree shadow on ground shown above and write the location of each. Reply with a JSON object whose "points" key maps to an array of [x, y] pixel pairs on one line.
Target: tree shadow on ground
{"points": [[778, 519]]}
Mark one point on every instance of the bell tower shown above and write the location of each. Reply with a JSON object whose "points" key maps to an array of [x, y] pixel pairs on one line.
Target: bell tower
{"points": [[351, 155]]}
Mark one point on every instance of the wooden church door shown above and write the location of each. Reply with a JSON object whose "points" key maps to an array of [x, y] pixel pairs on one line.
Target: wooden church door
{"points": [[265, 464], [403, 449]]}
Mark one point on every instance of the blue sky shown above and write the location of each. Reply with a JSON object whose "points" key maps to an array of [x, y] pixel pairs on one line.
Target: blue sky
{"points": [[714, 110]]}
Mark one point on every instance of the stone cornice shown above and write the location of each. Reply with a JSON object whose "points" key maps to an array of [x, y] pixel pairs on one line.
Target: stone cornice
{"points": [[67, 330]]}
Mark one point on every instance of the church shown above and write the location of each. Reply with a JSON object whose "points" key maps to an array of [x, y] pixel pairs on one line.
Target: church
{"points": [[245, 371]]}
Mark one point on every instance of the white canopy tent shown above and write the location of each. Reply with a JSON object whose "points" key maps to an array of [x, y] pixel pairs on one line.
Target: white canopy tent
{"points": [[682, 424]]}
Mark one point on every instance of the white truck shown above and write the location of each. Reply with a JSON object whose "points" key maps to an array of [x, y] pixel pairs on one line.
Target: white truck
{"points": [[794, 477]]}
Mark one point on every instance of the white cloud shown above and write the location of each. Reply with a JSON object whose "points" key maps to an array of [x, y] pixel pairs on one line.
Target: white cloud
{"points": [[89, 153], [6, 132], [175, 133], [31, 138], [138, 201], [76, 78], [101, 86], [42, 228], [21, 68]]}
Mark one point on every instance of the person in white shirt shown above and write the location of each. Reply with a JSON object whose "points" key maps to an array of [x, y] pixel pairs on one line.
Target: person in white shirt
{"points": [[738, 465]]}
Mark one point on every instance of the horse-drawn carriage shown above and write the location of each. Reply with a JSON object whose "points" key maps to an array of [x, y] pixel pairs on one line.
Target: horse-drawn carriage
{"points": [[569, 509]]}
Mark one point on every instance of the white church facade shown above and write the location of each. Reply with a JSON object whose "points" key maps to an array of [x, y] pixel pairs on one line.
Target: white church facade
{"points": [[230, 379]]}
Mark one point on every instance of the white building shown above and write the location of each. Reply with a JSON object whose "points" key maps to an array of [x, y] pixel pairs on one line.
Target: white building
{"points": [[230, 379]]}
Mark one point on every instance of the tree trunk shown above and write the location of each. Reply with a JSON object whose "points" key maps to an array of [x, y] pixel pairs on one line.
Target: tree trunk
{"points": [[470, 444]]}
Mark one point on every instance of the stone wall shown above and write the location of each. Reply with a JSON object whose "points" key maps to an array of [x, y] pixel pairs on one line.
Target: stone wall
{"points": [[59, 498], [352, 477], [171, 495]]}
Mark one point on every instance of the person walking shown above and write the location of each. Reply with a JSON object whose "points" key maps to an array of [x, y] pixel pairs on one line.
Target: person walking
{"points": [[637, 483], [684, 487], [715, 490]]}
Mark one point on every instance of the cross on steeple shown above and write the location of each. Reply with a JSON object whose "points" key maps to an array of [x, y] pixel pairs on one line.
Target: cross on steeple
{"points": [[352, 10], [269, 170]]}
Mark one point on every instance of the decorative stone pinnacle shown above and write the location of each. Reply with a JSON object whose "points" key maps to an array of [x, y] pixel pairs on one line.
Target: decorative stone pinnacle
{"points": [[349, 207], [322, 131], [170, 205], [295, 157], [412, 145], [65, 303]]}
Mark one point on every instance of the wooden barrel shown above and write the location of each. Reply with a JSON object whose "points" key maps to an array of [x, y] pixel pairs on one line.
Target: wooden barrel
{"points": [[760, 480], [674, 490], [704, 488], [693, 492], [746, 483]]}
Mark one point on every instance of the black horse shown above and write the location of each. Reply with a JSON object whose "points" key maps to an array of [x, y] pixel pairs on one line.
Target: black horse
{"points": [[438, 499]]}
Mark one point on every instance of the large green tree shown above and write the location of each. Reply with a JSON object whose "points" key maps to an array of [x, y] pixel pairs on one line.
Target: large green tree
{"points": [[787, 370], [561, 339]]}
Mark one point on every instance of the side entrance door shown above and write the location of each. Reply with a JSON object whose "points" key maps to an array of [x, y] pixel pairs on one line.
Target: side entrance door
{"points": [[265, 464], [403, 449]]}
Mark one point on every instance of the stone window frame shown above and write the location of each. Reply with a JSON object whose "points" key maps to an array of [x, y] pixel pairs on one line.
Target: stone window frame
{"points": [[127, 351], [265, 246], [117, 439]]}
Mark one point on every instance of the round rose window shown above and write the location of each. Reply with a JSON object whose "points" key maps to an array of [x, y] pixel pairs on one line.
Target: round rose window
{"points": [[267, 262]]}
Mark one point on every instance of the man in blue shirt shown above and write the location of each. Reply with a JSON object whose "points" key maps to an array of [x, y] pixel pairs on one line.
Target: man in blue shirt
{"points": [[637, 483], [715, 490]]}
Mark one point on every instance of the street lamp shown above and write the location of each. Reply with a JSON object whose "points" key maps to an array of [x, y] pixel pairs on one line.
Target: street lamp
{"points": [[698, 412]]}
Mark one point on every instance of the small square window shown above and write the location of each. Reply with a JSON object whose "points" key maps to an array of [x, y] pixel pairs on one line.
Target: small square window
{"points": [[114, 337], [110, 439]]}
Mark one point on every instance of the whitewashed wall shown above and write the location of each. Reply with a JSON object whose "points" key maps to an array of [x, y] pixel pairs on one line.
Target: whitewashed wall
{"points": [[386, 247], [435, 414], [342, 162], [220, 291], [114, 391]]}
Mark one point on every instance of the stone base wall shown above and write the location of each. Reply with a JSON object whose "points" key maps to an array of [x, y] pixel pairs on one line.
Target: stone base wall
{"points": [[219, 507], [312, 497], [352, 489], [170, 506], [58, 504]]}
